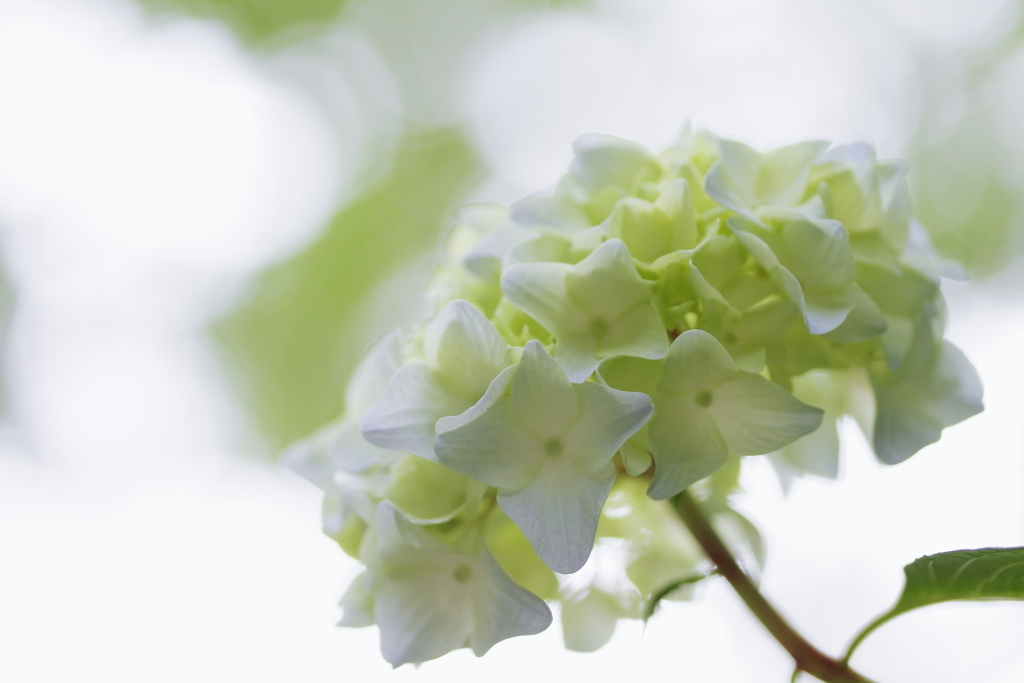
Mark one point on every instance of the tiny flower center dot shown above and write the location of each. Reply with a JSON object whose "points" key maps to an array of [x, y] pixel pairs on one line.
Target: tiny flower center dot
{"points": [[462, 573], [553, 447], [729, 338], [704, 398], [599, 327]]}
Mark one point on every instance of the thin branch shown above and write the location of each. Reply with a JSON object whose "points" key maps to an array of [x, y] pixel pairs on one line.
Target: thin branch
{"points": [[807, 657]]}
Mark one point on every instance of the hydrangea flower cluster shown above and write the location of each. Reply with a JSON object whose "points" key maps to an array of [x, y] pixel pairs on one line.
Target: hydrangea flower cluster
{"points": [[601, 347]]}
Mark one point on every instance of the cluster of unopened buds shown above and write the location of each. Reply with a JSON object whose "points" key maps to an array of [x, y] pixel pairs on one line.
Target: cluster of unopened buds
{"points": [[600, 348]]}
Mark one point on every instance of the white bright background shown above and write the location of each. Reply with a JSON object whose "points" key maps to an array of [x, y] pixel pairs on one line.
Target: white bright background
{"points": [[146, 169]]}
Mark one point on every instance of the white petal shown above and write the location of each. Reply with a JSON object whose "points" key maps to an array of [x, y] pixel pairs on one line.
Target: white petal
{"points": [[558, 512], [576, 355], [357, 603], [539, 289], [373, 373], [637, 332], [608, 418], [492, 448], [686, 445], [403, 418], [465, 349], [696, 361], [499, 388], [756, 416], [543, 400], [423, 613], [309, 458], [501, 608]]}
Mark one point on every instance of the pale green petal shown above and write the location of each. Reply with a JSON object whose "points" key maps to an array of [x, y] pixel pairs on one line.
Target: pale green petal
{"points": [[818, 452], [821, 315], [743, 178], [539, 289], [357, 603], [636, 454], [732, 180], [543, 400], [577, 355], [430, 493], [864, 321], [756, 416], [605, 284], [785, 171], [596, 308], [676, 202], [686, 445], [558, 512], [499, 388], [818, 254], [642, 226], [513, 552], [584, 242], [588, 623], [637, 332], [824, 315], [554, 248], [627, 373], [758, 326], [782, 278], [696, 361], [502, 609], [606, 160], [465, 349], [608, 418], [493, 448], [403, 418], [705, 291]]}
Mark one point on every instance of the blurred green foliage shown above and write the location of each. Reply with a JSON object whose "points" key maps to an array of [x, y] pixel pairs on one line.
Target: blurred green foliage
{"points": [[967, 195], [971, 211], [258, 22], [255, 21], [294, 341]]}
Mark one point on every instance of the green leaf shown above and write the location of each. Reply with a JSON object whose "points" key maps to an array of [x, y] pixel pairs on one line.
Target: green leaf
{"points": [[984, 574]]}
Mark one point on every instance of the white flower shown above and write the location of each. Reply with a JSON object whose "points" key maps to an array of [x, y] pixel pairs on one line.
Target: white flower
{"points": [[547, 445]]}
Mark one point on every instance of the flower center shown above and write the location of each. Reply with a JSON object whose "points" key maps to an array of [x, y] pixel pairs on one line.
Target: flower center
{"points": [[703, 398], [553, 447], [729, 338], [462, 573], [599, 327]]}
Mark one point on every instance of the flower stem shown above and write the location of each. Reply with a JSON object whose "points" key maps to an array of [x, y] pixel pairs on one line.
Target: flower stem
{"points": [[807, 657]]}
